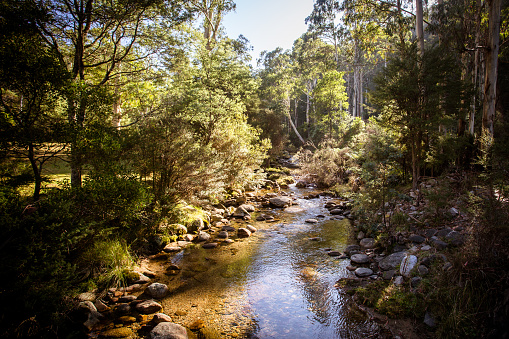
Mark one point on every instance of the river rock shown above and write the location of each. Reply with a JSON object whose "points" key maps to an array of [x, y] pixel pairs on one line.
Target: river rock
{"points": [[157, 290], [443, 232], [359, 258], [127, 298], [171, 248], [148, 307], [241, 212], [243, 232], [123, 308], [367, 243], [119, 332], [360, 235], [127, 319], [430, 232], [196, 226], [161, 318], [280, 202], [415, 238], [216, 218], [407, 265], [336, 211], [311, 221], [168, 330], [301, 184], [423, 270], [391, 261], [203, 236], [388, 275], [251, 228], [439, 244], [455, 238], [334, 253], [352, 249], [222, 235], [87, 296], [210, 245], [101, 306], [362, 272], [248, 207]]}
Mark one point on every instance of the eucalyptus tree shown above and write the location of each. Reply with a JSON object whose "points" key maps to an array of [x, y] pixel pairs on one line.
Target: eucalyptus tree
{"points": [[212, 12], [277, 81], [330, 95], [93, 38]]}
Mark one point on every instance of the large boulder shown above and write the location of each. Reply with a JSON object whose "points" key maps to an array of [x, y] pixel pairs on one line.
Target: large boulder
{"points": [[167, 330], [280, 202], [391, 261]]}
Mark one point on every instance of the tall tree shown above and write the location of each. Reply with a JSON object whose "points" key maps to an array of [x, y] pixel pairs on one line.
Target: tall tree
{"points": [[93, 38], [212, 12]]}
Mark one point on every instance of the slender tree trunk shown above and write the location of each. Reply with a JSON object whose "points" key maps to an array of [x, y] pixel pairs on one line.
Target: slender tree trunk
{"points": [[419, 29], [490, 83], [287, 109], [36, 170]]}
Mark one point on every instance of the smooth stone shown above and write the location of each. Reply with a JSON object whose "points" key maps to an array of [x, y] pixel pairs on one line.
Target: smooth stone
{"points": [[360, 235], [123, 308], [148, 307], [407, 265], [336, 211], [251, 228], [228, 229], [439, 244], [203, 236], [87, 296], [119, 332], [101, 306], [126, 298], [168, 330], [170, 248], [391, 261], [362, 272], [126, 319], [425, 248], [223, 235], [210, 245], [243, 232], [311, 221], [351, 248], [360, 258], [367, 243], [430, 232], [161, 318], [418, 239], [280, 202], [334, 253], [157, 290], [240, 212]]}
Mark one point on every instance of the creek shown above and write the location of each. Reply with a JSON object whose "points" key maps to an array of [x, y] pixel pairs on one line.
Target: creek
{"points": [[278, 283]]}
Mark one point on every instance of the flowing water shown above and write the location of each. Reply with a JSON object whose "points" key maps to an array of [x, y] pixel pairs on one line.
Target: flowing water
{"points": [[279, 283]]}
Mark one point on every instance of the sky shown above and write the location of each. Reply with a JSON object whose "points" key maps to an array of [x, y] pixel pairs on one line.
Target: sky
{"points": [[268, 24]]}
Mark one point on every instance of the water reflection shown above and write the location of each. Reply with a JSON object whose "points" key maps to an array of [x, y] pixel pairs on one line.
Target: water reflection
{"points": [[290, 283]]}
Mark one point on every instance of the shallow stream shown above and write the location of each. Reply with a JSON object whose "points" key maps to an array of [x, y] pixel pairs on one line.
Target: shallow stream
{"points": [[279, 283]]}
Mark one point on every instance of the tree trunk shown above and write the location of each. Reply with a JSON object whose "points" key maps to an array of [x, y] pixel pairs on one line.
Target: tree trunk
{"points": [[36, 170], [490, 83], [419, 29], [287, 109]]}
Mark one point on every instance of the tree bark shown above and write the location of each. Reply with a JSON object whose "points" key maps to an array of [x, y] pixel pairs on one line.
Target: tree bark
{"points": [[287, 109], [490, 83], [419, 29]]}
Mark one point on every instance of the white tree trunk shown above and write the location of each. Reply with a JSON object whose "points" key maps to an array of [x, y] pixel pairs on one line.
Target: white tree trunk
{"points": [[419, 30], [490, 83]]}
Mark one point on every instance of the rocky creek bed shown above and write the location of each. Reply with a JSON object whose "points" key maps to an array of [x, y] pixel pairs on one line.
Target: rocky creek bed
{"points": [[266, 266]]}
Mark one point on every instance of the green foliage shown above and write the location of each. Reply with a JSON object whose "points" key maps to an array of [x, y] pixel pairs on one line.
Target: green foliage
{"points": [[328, 163], [111, 260]]}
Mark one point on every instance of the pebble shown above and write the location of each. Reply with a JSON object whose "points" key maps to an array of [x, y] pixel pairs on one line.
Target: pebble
{"points": [[311, 221], [148, 307]]}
